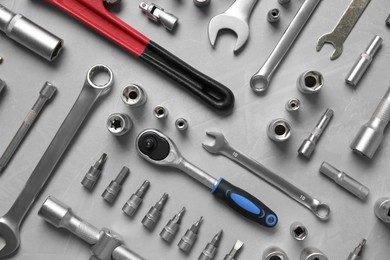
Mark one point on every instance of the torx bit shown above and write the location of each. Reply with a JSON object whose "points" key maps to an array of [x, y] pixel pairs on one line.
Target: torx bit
{"points": [[154, 214], [307, 147], [135, 200], [93, 175], [355, 255], [237, 246], [188, 240], [45, 94], [113, 189], [170, 230], [211, 248]]}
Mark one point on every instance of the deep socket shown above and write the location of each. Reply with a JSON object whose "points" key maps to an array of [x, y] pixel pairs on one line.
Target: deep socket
{"points": [[135, 200]]}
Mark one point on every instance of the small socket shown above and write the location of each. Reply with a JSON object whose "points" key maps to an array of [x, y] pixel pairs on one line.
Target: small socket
{"points": [[274, 253], [181, 124], [312, 253], [119, 124], [273, 15], [160, 112], [293, 105], [382, 209], [310, 82], [133, 95], [298, 231], [279, 130]]}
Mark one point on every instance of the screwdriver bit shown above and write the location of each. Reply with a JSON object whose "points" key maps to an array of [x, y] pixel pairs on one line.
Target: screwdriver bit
{"points": [[237, 246], [135, 200], [115, 186], [154, 214], [169, 231], [211, 248], [189, 238], [93, 174], [355, 255]]}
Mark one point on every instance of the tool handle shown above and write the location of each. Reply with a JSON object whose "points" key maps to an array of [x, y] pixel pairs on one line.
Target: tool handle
{"points": [[245, 203], [208, 89]]}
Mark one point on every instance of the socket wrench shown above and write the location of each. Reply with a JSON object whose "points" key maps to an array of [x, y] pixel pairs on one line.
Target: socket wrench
{"points": [[11, 221], [222, 147], [261, 80]]}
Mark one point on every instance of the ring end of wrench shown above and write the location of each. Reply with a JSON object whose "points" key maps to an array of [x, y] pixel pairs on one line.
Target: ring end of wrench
{"points": [[259, 83], [322, 211]]}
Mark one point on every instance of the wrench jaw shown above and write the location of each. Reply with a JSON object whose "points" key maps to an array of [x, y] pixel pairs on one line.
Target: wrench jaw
{"points": [[228, 22], [9, 237], [219, 142], [327, 38]]}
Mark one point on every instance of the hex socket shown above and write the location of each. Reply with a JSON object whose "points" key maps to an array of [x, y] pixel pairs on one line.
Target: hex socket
{"points": [[29, 34], [382, 209]]}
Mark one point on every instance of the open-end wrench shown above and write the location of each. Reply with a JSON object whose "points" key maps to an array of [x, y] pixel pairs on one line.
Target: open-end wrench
{"points": [[11, 221], [221, 146], [157, 148], [343, 28], [94, 14], [235, 18]]}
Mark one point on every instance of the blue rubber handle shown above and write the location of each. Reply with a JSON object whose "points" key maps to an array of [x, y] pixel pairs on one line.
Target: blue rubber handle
{"points": [[245, 203]]}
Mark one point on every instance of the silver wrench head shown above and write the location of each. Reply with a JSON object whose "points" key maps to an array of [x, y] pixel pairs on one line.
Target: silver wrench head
{"points": [[219, 142], [92, 78], [9, 237], [328, 38], [229, 22]]}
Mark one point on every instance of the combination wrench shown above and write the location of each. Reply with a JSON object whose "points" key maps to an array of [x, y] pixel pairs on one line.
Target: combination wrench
{"points": [[159, 149], [11, 221], [221, 146]]}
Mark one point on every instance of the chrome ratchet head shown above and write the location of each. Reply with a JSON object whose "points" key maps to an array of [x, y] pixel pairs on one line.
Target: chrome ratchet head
{"points": [[9, 236], [219, 142], [229, 22], [157, 148]]}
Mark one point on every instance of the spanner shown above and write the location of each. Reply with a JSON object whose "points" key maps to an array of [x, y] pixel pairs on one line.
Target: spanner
{"points": [[221, 146], [11, 221], [344, 27], [159, 149], [235, 18]]}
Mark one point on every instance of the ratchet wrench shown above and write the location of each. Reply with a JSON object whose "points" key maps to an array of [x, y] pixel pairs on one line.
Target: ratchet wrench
{"points": [[94, 14], [221, 146], [157, 148], [11, 221]]}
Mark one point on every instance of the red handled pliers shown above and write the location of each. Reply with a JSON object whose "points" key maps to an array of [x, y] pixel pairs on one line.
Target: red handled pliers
{"points": [[94, 14]]}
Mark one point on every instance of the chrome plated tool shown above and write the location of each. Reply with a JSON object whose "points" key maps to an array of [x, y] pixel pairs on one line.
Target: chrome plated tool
{"points": [[343, 28], [233, 252], [159, 149], [222, 147], [11, 221]]}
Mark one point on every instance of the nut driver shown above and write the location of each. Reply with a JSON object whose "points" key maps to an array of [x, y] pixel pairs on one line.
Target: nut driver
{"points": [[157, 148], [94, 14]]}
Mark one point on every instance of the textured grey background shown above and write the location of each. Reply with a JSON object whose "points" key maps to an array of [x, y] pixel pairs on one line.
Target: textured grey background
{"points": [[245, 128]]}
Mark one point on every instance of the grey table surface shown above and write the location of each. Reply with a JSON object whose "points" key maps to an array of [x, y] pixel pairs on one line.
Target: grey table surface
{"points": [[245, 128]]}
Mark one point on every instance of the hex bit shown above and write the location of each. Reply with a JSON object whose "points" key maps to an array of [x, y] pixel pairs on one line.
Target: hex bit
{"points": [[237, 246], [135, 200], [92, 176], [355, 255], [154, 214], [45, 94], [211, 248], [113, 189], [170, 230], [307, 147], [189, 238]]}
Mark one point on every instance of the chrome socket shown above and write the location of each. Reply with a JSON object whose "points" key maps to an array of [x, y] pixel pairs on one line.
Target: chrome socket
{"points": [[312, 253], [273, 15], [160, 112], [293, 105], [133, 95], [310, 82], [181, 124], [274, 253], [382, 209], [188, 240], [119, 124], [279, 130], [201, 2], [135, 200], [92, 176], [158, 15], [298, 231], [111, 192], [172, 227], [153, 216]]}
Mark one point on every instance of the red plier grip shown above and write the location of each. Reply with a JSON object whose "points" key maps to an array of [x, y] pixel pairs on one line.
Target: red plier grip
{"points": [[94, 14]]}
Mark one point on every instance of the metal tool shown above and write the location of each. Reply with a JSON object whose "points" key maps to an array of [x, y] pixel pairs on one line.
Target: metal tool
{"points": [[1, 60], [312, 253], [29, 34], [310, 82], [45, 94], [154, 214], [293, 105], [2, 85], [364, 62], [307, 147], [94, 14], [135, 200], [232, 254], [158, 15], [11, 221], [343, 28], [388, 21], [279, 130], [382, 209], [157, 148], [356, 254], [201, 2], [134, 95], [222, 147], [172, 227], [298, 231], [261, 80], [273, 15], [119, 124], [105, 244], [345, 181], [236, 19], [211, 248], [371, 134], [93, 175], [274, 252], [181, 124], [282, 2], [115, 186], [160, 112], [189, 238]]}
